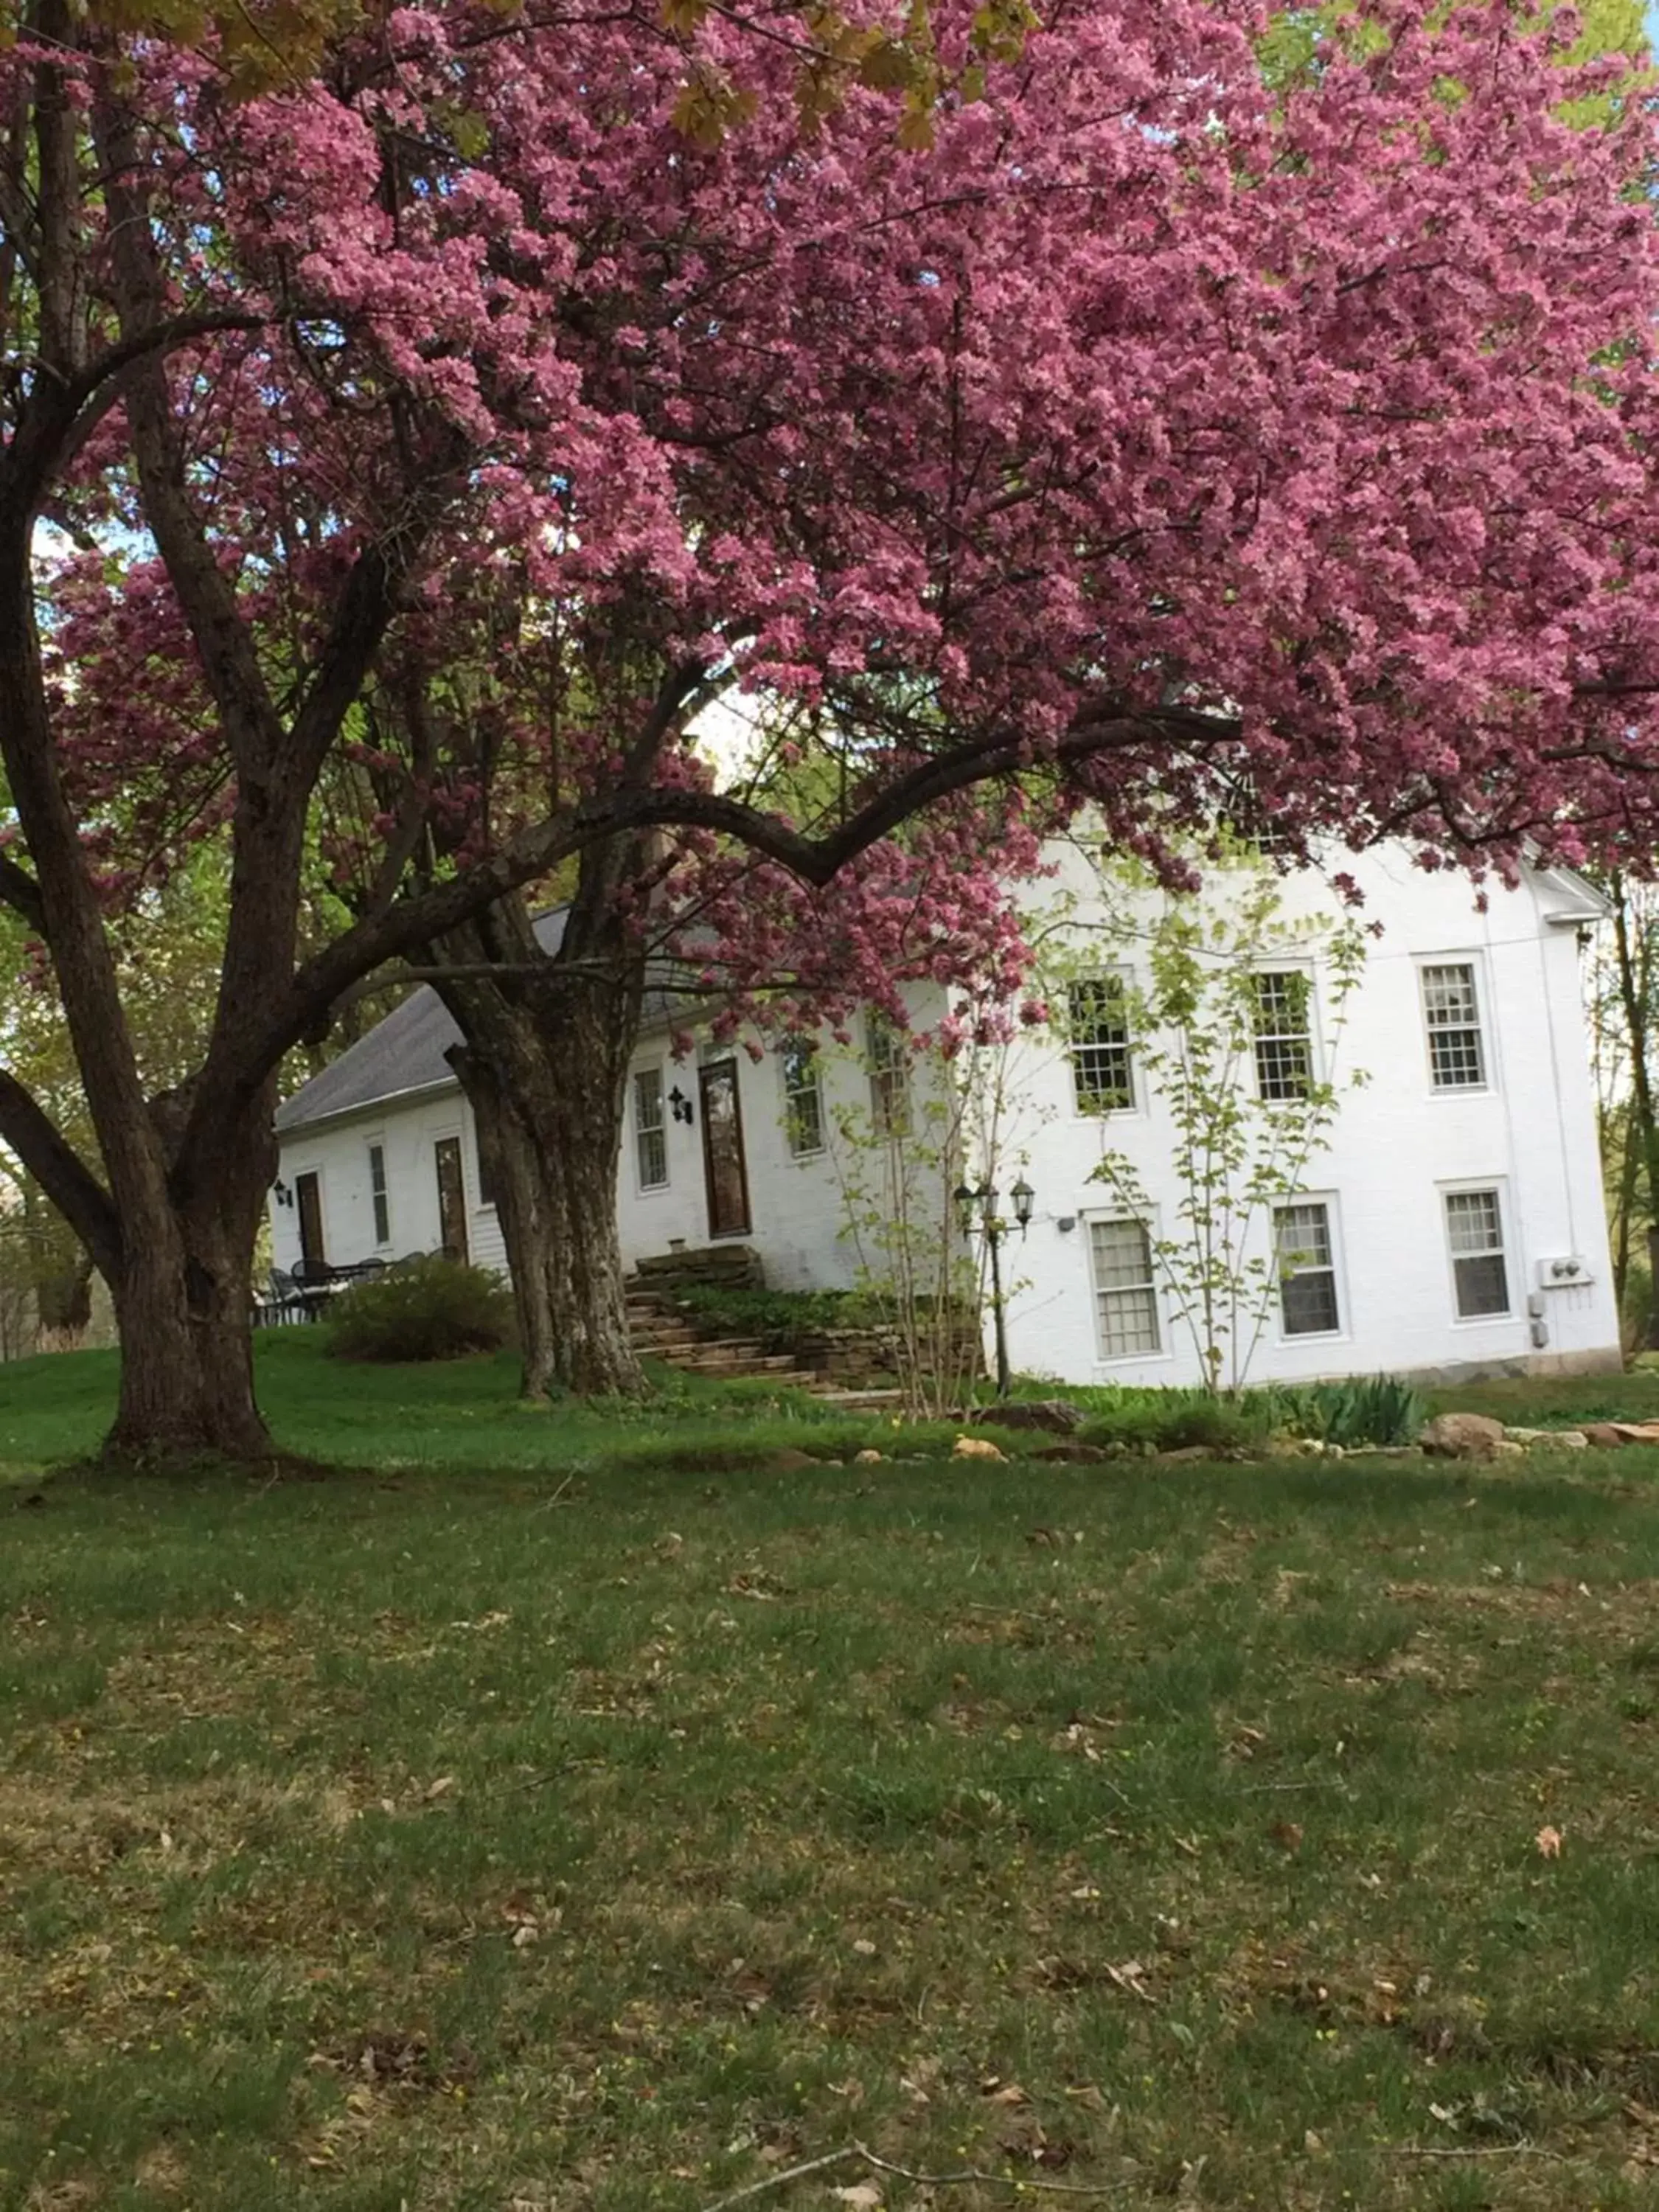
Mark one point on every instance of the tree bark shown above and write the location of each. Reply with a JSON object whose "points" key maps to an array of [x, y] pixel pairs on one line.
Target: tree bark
{"points": [[544, 1064]]}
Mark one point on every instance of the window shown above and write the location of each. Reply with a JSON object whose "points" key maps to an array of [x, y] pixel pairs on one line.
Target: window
{"points": [[888, 1058], [1457, 1059], [803, 1099], [483, 1160], [377, 1193], [650, 1135], [1307, 1269], [1474, 1231], [1284, 1051], [1124, 1296], [1099, 1017]]}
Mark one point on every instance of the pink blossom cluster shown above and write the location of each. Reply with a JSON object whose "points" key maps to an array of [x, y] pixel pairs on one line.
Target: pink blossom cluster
{"points": [[1162, 434]]}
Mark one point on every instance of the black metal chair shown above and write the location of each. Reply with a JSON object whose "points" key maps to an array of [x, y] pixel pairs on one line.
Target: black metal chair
{"points": [[279, 1303]]}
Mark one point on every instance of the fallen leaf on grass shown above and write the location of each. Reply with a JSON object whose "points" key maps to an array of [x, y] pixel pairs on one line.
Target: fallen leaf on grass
{"points": [[998, 2092], [1131, 1976], [1549, 1842], [863, 2194]]}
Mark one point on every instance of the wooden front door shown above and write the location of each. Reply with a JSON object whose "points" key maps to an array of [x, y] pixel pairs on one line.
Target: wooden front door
{"points": [[723, 1171], [452, 1198], [308, 1197]]}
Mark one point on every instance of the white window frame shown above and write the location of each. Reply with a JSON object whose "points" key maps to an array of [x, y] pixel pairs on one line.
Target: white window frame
{"points": [[1334, 1267], [887, 1060], [1076, 1044], [1308, 1035], [1148, 1225], [1481, 1025], [802, 1052], [642, 1130], [1470, 1187], [379, 1201]]}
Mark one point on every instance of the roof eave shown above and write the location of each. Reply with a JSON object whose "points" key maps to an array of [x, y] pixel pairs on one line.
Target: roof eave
{"points": [[366, 1106]]}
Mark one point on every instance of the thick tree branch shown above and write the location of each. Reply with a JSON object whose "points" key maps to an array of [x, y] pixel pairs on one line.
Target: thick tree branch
{"points": [[61, 1173], [535, 852], [20, 891]]}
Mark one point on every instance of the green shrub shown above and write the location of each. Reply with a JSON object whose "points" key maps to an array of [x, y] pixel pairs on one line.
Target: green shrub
{"points": [[426, 1308], [1179, 1420], [1372, 1409]]}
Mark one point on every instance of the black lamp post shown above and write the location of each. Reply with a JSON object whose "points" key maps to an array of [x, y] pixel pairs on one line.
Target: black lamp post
{"points": [[978, 1209]]}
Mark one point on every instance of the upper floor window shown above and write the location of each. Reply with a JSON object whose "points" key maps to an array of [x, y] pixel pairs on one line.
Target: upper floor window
{"points": [[803, 1097], [1451, 1010], [650, 1133], [888, 1058], [1280, 1005], [377, 1191], [1102, 1082], [1475, 1232]]}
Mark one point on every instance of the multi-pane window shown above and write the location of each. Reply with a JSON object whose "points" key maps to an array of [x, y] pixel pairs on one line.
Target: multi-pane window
{"points": [[1279, 1004], [1099, 1021], [1307, 1269], [1125, 1298], [803, 1097], [1451, 1010], [1474, 1231], [889, 1060], [650, 1136], [377, 1191]]}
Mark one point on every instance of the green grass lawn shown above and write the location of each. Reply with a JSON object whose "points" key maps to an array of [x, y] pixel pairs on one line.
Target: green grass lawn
{"points": [[552, 1812]]}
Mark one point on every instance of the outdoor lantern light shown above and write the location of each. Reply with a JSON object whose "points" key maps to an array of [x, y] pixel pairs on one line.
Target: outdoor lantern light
{"points": [[679, 1105], [281, 1191], [979, 1208]]}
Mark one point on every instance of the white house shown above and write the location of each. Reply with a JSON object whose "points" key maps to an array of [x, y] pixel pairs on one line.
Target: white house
{"points": [[1454, 1223]]}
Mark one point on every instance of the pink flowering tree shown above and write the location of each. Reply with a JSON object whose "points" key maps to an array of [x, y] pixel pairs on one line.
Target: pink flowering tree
{"points": [[1161, 437]]}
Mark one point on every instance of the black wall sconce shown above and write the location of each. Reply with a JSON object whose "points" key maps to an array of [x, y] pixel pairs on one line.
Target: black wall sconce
{"points": [[680, 1105], [283, 1195]]}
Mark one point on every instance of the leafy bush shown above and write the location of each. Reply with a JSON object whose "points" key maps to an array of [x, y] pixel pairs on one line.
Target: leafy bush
{"points": [[426, 1309], [1373, 1409], [1178, 1420], [1376, 1409]]}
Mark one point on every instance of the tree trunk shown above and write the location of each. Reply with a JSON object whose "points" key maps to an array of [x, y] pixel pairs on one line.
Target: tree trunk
{"points": [[545, 1066], [186, 1364]]}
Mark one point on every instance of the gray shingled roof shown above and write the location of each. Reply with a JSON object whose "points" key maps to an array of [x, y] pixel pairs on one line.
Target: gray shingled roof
{"points": [[405, 1052]]}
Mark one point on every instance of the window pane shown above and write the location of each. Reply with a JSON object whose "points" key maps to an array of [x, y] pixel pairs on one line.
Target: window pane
{"points": [[1100, 1045], [1124, 1298], [1303, 1235], [1128, 1323], [1472, 1221], [1120, 1254], [803, 1104], [650, 1138], [1308, 1303], [1475, 1229], [1452, 1011], [1284, 1059], [889, 1059], [1307, 1279], [1482, 1286], [377, 1187]]}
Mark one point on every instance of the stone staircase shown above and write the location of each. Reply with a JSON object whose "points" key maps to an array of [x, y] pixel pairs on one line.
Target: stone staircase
{"points": [[660, 1331]]}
